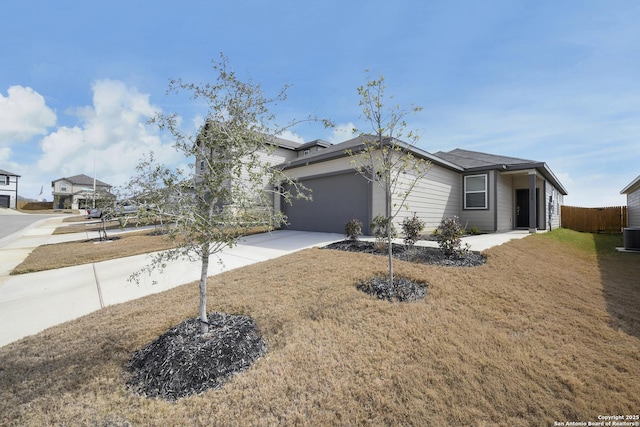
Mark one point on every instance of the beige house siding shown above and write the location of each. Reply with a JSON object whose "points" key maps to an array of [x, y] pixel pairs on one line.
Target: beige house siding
{"points": [[505, 202], [554, 206], [633, 208], [320, 168], [435, 197], [483, 219]]}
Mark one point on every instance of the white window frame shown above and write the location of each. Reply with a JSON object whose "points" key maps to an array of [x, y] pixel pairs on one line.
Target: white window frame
{"points": [[485, 191], [4, 179], [306, 152]]}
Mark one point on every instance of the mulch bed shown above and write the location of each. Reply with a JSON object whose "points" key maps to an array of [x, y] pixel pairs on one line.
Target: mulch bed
{"points": [[183, 362], [419, 254], [402, 289]]}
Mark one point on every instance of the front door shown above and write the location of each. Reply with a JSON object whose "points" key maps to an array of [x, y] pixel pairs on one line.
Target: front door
{"points": [[522, 208]]}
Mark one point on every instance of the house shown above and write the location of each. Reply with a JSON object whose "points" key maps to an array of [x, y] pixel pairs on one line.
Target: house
{"points": [[78, 192], [8, 189], [633, 202], [490, 192]]}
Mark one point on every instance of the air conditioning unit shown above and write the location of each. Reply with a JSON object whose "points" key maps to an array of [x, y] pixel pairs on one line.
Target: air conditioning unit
{"points": [[631, 238]]}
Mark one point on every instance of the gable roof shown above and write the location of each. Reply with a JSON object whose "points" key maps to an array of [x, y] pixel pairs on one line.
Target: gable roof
{"points": [[477, 161], [82, 179], [354, 144], [635, 184], [7, 173], [458, 160]]}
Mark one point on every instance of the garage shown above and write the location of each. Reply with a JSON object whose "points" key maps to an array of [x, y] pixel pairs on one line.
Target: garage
{"points": [[5, 201], [337, 198]]}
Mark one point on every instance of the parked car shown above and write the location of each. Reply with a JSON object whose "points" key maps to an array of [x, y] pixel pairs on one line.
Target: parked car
{"points": [[126, 210], [94, 213]]}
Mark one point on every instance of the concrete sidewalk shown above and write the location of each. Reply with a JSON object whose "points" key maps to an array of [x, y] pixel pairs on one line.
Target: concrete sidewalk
{"points": [[30, 303]]}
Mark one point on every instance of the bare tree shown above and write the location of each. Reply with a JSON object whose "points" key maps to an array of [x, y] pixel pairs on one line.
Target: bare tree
{"points": [[232, 186], [150, 192], [383, 158]]}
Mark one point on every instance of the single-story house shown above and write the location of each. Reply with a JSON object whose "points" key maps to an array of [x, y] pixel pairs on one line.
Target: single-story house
{"points": [[493, 193], [633, 202], [8, 189], [77, 192]]}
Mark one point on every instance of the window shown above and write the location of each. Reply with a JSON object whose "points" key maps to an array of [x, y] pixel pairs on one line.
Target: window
{"points": [[475, 192], [201, 165], [4, 180], [63, 186], [305, 152]]}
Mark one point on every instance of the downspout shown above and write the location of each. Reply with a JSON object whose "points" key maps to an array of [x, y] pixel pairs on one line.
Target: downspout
{"points": [[542, 202], [495, 200], [533, 208]]}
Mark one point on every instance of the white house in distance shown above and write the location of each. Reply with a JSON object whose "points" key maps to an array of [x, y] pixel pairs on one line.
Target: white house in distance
{"points": [[77, 192], [8, 189], [633, 202]]}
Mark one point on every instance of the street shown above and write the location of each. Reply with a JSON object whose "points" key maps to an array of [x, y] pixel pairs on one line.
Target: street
{"points": [[13, 222]]}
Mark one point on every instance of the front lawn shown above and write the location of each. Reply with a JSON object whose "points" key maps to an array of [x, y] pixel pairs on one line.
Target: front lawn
{"points": [[59, 255], [545, 331]]}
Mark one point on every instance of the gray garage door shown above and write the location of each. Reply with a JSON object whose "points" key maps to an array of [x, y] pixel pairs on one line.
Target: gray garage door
{"points": [[4, 201], [336, 199]]}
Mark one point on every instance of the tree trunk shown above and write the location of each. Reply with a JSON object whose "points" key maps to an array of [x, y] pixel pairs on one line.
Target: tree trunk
{"points": [[390, 252], [204, 322], [389, 238]]}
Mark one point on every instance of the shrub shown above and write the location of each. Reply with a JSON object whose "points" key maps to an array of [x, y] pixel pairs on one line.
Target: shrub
{"points": [[379, 230], [353, 228], [449, 233], [474, 230], [411, 227]]}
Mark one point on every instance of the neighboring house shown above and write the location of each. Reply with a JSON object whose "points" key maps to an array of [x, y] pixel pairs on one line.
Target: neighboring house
{"points": [[77, 192], [633, 202], [490, 192], [8, 189]]}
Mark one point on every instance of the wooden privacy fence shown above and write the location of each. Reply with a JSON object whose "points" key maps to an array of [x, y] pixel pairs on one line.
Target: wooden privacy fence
{"points": [[35, 206], [595, 220]]}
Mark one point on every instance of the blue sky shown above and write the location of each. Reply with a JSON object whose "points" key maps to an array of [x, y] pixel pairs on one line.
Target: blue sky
{"points": [[553, 81]]}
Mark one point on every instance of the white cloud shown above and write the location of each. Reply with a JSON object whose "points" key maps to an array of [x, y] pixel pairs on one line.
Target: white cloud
{"points": [[23, 115], [342, 133], [5, 154], [291, 136], [113, 131]]}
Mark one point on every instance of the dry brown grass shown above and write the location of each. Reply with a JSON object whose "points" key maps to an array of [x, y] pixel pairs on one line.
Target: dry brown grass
{"points": [[48, 257], [84, 225], [543, 332]]}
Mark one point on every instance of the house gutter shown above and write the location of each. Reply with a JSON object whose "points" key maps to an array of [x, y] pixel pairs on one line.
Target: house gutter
{"points": [[340, 153], [629, 188], [540, 166]]}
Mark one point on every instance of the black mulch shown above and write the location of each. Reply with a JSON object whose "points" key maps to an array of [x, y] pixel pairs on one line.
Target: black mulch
{"points": [[418, 254], [402, 290], [182, 361]]}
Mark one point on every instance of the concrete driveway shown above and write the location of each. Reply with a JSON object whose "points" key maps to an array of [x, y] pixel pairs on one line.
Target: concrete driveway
{"points": [[30, 303]]}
